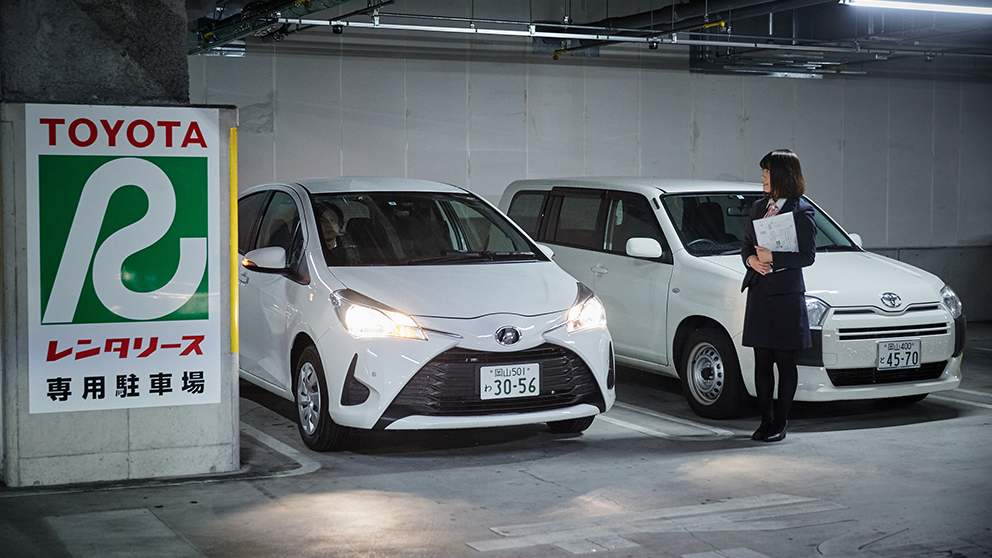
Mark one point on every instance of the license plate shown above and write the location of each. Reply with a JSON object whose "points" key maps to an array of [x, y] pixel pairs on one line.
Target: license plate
{"points": [[895, 355], [514, 380]]}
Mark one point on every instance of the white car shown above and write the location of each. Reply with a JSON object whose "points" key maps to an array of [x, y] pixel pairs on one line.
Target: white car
{"points": [[380, 303], [664, 257]]}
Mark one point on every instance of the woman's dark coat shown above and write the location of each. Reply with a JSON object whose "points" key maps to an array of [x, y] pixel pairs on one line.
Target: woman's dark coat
{"points": [[775, 316]]}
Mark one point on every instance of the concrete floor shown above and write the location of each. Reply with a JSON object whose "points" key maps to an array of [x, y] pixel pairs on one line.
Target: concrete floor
{"points": [[648, 479]]}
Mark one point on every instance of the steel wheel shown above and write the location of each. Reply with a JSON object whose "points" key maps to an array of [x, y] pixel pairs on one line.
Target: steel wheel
{"points": [[706, 373], [711, 375]]}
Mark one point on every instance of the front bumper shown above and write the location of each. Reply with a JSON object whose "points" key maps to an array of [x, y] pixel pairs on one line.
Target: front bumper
{"points": [[413, 384], [841, 365]]}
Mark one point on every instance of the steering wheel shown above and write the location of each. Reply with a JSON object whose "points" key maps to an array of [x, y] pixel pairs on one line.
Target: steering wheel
{"points": [[704, 241]]}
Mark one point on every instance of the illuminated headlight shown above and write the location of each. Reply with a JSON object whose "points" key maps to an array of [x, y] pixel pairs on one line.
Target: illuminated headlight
{"points": [[365, 321], [951, 302], [586, 315], [816, 311]]}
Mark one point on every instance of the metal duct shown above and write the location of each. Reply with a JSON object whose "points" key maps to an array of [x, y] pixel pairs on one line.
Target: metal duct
{"points": [[256, 18]]}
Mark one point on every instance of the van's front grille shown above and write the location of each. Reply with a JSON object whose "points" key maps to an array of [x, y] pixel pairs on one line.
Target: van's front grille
{"points": [[448, 385], [888, 313], [843, 377], [891, 332]]}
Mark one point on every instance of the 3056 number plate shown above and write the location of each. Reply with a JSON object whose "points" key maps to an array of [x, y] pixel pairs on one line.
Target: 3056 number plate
{"points": [[515, 380], [896, 355]]}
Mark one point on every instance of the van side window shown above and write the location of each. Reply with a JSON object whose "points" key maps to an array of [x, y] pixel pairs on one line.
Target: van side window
{"points": [[525, 210], [629, 216], [576, 222]]}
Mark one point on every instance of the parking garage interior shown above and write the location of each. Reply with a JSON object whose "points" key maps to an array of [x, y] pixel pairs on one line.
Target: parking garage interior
{"points": [[890, 111]]}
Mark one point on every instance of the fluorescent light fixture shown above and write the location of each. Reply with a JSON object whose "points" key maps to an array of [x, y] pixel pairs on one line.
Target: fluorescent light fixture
{"points": [[921, 6]]}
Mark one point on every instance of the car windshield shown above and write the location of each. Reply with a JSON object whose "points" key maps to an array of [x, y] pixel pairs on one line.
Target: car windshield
{"points": [[713, 224], [415, 228]]}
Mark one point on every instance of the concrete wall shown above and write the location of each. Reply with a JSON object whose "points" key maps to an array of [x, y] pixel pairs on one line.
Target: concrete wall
{"points": [[903, 163], [125, 52]]}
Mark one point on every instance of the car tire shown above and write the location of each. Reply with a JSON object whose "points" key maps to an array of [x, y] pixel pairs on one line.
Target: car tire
{"points": [[711, 375], [571, 426], [318, 431]]}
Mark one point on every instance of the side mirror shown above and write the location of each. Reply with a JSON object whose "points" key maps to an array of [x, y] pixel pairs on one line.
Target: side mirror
{"points": [[266, 260], [644, 248], [547, 251], [857, 239]]}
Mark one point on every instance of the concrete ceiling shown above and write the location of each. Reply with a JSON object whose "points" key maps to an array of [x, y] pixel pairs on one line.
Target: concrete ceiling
{"points": [[788, 38]]}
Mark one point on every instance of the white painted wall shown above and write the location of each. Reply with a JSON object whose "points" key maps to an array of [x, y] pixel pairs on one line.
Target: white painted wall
{"points": [[904, 163]]}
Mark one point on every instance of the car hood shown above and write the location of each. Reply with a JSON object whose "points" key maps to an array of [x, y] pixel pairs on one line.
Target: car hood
{"points": [[465, 291], [859, 279], [845, 279]]}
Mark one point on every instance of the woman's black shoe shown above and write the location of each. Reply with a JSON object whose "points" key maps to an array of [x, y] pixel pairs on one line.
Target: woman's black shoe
{"points": [[761, 432], [777, 436]]}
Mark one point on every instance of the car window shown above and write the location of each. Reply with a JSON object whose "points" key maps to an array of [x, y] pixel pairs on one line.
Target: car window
{"points": [[248, 210], [714, 224], [280, 226], [629, 216], [419, 228], [574, 222], [525, 210]]}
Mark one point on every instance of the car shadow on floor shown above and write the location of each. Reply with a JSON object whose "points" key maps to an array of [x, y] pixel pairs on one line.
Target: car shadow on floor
{"points": [[664, 394]]}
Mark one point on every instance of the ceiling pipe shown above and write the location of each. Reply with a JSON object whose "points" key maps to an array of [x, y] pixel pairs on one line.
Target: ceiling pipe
{"points": [[698, 16], [704, 10], [534, 32]]}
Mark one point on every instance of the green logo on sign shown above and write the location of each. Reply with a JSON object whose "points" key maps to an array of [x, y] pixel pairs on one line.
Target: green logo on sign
{"points": [[122, 239]]}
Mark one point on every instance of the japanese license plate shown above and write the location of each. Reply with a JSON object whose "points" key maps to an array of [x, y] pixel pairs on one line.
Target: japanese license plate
{"points": [[513, 380], [895, 355]]}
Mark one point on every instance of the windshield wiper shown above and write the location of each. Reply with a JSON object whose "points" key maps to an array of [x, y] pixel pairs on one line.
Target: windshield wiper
{"points": [[465, 256]]}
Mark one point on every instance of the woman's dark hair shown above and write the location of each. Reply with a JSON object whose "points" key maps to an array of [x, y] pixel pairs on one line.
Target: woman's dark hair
{"points": [[785, 175]]}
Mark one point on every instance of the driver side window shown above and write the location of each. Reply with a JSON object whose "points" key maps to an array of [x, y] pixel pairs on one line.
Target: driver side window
{"points": [[280, 226]]}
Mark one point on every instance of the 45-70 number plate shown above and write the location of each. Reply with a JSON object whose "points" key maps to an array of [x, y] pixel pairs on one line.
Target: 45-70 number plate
{"points": [[897, 355], [514, 380]]}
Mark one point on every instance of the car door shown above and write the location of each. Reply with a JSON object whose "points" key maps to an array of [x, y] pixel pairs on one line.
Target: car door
{"points": [[573, 227], [266, 299], [249, 211], [633, 290]]}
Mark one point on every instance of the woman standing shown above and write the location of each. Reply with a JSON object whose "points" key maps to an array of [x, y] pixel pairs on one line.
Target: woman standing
{"points": [[775, 322]]}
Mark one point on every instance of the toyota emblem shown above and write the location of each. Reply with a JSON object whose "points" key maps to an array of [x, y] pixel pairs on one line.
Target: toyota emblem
{"points": [[891, 300], [507, 335]]}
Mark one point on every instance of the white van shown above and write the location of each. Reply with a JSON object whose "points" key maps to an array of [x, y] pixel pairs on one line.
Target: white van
{"points": [[664, 257]]}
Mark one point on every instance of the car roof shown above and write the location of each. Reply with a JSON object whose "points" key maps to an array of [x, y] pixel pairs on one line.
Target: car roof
{"points": [[646, 185], [325, 185]]}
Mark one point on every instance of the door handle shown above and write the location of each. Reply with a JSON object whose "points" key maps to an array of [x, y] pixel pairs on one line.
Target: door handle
{"points": [[599, 270], [243, 279]]}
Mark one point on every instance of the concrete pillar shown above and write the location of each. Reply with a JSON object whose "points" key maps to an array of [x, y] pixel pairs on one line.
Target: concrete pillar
{"points": [[96, 135], [125, 52]]}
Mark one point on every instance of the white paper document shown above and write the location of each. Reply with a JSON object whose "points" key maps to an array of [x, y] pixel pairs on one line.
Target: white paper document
{"points": [[777, 233]]}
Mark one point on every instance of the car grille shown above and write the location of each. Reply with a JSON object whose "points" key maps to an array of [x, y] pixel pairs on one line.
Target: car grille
{"points": [[869, 376], [448, 385], [891, 332]]}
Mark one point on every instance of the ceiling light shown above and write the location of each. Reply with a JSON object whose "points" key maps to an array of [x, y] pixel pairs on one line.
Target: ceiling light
{"points": [[921, 6]]}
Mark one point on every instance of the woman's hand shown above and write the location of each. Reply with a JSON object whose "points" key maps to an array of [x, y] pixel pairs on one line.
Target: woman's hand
{"points": [[764, 254], [762, 262]]}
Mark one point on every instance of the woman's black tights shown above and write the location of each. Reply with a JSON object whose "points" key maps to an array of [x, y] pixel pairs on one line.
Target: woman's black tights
{"points": [[775, 412]]}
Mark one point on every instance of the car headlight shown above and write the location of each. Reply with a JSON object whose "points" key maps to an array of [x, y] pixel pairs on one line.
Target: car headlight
{"points": [[951, 302], [816, 311], [587, 314], [364, 318]]}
